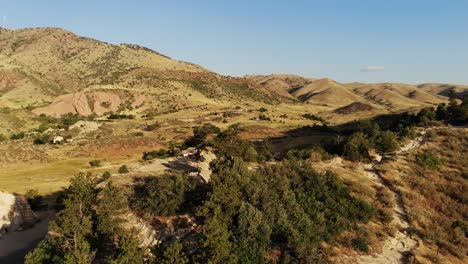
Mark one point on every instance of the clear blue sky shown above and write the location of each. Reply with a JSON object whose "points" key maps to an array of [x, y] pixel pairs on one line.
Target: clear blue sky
{"points": [[411, 41]]}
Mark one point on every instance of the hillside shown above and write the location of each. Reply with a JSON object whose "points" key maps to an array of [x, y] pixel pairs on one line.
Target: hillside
{"points": [[38, 65], [444, 89], [389, 96], [54, 72]]}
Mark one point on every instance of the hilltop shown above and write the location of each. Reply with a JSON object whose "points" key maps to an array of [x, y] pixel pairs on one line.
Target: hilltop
{"points": [[389, 96], [40, 66]]}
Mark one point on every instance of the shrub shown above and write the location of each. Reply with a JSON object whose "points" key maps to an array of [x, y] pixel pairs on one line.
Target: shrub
{"points": [[152, 127], [428, 160], [138, 134], [387, 142], [319, 154], [2, 138], [43, 139], [43, 127], [360, 244], [120, 116], [263, 110], [17, 136], [251, 155], [34, 199], [158, 154], [95, 163], [407, 132], [357, 147], [106, 175], [123, 169], [315, 118]]}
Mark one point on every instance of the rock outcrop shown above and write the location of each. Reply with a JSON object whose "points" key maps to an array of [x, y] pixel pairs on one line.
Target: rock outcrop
{"points": [[75, 103], [15, 213]]}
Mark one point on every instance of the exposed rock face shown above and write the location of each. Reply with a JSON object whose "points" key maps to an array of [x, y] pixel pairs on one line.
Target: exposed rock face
{"points": [[97, 102], [75, 103], [144, 231], [15, 213], [104, 102]]}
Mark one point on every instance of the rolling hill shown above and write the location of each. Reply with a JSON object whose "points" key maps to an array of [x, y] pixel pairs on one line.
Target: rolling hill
{"points": [[390, 96], [41, 66], [52, 71]]}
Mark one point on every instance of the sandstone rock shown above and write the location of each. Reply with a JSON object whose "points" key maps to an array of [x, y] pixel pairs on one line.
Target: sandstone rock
{"points": [[75, 103], [15, 213]]}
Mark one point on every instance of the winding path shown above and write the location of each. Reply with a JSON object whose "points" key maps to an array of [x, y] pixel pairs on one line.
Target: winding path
{"points": [[397, 246]]}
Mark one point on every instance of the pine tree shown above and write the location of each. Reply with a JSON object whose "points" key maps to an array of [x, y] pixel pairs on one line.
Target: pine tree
{"points": [[252, 235], [82, 254], [112, 206], [174, 254], [129, 251]]}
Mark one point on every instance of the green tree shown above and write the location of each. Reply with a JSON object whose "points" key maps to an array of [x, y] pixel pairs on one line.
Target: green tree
{"points": [[441, 112], [81, 254], [160, 195], [357, 147], [215, 244], [42, 254], [110, 216], [129, 251], [250, 155], [174, 254], [252, 235], [387, 142]]}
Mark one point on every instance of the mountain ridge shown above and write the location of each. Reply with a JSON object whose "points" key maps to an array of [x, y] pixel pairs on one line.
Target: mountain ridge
{"points": [[45, 68]]}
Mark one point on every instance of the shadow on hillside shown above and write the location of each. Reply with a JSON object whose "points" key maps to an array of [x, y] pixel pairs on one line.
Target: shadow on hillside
{"points": [[308, 137], [180, 164]]}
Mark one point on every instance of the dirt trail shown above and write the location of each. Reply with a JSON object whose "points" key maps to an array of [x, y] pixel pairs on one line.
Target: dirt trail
{"points": [[396, 247]]}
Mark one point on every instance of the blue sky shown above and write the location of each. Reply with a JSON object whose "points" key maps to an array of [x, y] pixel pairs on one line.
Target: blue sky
{"points": [[412, 41]]}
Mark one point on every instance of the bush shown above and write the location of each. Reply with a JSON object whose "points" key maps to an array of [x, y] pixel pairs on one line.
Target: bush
{"points": [[138, 134], [315, 118], [41, 140], [2, 138], [319, 154], [106, 175], [17, 136], [360, 244], [158, 154], [120, 116], [152, 127], [387, 142], [95, 163], [251, 155], [34, 199], [428, 160], [357, 147], [123, 169]]}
